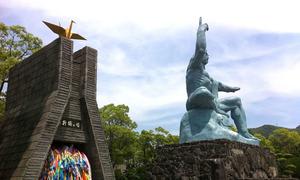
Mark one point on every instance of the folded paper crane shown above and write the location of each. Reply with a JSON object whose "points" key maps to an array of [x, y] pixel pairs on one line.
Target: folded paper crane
{"points": [[64, 32]]}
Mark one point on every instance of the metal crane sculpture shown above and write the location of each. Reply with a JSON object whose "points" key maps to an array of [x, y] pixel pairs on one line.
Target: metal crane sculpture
{"points": [[64, 32]]}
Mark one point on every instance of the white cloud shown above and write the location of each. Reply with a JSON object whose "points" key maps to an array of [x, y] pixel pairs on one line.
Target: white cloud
{"points": [[284, 79], [270, 77], [163, 86], [117, 63], [133, 73], [268, 15]]}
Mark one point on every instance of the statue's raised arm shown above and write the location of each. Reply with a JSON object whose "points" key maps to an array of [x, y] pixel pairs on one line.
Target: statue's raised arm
{"points": [[200, 54], [201, 38]]}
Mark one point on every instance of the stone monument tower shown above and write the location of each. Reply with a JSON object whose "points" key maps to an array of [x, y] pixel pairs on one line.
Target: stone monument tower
{"points": [[51, 99]]}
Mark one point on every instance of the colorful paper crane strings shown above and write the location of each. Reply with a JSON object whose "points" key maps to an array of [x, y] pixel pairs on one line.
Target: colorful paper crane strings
{"points": [[66, 163]]}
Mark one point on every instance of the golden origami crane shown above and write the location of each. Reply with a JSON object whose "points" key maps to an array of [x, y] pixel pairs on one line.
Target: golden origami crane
{"points": [[64, 32]]}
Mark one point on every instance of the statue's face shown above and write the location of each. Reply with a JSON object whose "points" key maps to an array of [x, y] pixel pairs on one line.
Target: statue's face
{"points": [[205, 58]]}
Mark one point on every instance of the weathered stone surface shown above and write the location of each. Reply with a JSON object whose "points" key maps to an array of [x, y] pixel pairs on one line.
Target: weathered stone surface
{"points": [[218, 159]]}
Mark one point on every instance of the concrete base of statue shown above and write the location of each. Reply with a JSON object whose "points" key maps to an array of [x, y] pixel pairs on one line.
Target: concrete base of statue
{"points": [[217, 159], [206, 124]]}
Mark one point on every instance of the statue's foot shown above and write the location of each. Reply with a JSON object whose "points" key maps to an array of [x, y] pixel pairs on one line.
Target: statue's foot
{"points": [[248, 135]]}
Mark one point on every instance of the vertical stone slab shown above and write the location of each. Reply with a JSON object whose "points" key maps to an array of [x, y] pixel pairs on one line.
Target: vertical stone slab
{"points": [[50, 122], [37, 92], [97, 148]]}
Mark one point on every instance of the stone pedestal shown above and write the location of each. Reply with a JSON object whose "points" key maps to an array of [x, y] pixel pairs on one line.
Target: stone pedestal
{"points": [[217, 159]]}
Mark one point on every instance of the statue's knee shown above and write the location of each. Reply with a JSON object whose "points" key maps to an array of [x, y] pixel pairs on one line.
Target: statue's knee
{"points": [[238, 102]]}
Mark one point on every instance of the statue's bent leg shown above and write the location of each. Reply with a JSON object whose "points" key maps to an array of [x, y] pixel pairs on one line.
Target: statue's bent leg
{"points": [[234, 105], [200, 98]]}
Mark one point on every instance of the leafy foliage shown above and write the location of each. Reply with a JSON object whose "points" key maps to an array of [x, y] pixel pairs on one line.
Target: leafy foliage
{"points": [[149, 140], [285, 140], [265, 142], [286, 145], [120, 134], [132, 152]]}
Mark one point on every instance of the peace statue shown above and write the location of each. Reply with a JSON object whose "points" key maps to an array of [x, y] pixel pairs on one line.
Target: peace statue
{"points": [[206, 117]]}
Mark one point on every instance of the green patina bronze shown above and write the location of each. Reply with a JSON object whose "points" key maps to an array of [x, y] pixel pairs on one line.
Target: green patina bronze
{"points": [[206, 117]]}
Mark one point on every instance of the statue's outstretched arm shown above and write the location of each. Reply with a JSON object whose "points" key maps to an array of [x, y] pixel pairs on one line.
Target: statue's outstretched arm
{"points": [[226, 88]]}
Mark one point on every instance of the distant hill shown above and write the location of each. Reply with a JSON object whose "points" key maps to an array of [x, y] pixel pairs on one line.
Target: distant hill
{"points": [[266, 130]]}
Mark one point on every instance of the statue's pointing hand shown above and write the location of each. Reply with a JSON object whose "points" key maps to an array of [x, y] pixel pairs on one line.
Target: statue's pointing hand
{"points": [[233, 89], [202, 27]]}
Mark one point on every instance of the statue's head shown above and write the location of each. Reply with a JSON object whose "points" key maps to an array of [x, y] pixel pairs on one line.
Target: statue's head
{"points": [[205, 58]]}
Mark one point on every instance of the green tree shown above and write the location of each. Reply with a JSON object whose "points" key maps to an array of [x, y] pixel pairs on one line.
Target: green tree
{"points": [[120, 134], [128, 148], [287, 148], [286, 141], [284, 166], [149, 140], [265, 142], [15, 45], [146, 143], [286, 145], [163, 137]]}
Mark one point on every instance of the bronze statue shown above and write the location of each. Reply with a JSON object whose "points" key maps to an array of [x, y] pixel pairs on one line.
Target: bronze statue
{"points": [[202, 93]]}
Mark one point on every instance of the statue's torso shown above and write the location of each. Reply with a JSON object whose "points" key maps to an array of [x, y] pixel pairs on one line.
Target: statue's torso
{"points": [[196, 78]]}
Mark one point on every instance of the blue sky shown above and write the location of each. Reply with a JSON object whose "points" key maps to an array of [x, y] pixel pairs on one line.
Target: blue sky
{"points": [[145, 46]]}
